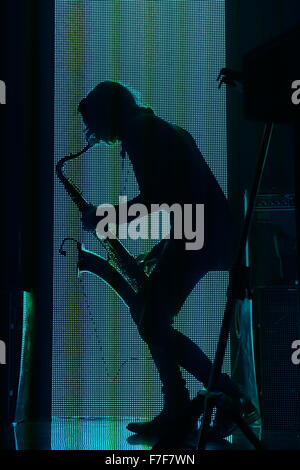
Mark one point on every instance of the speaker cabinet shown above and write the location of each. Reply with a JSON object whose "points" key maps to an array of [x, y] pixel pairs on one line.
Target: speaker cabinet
{"points": [[276, 326]]}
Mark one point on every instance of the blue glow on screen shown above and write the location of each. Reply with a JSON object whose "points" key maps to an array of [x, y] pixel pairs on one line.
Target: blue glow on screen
{"points": [[171, 53]]}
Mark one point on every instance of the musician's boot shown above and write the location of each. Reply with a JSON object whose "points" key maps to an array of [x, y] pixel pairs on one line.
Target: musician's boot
{"points": [[176, 407]]}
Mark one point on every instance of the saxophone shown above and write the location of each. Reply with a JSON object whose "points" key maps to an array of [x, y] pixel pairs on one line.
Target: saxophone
{"points": [[121, 270]]}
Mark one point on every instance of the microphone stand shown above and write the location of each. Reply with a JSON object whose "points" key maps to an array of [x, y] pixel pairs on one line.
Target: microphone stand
{"points": [[236, 291]]}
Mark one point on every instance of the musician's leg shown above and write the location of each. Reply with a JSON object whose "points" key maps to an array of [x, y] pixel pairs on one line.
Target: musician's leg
{"points": [[170, 348], [154, 319], [195, 361], [171, 283], [155, 328]]}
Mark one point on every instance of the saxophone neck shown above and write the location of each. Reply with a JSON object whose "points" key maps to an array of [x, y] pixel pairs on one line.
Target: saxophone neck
{"points": [[72, 191]]}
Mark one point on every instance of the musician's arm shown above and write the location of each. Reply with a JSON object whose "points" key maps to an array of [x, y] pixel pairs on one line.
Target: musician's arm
{"points": [[149, 259]]}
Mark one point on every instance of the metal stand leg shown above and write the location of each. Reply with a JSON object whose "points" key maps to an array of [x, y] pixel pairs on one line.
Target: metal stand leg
{"points": [[233, 295]]}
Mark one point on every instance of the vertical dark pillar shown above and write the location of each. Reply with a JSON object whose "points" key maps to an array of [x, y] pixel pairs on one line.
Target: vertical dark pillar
{"points": [[38, 190], [37, 220], [27, 172], [10, 287], [3, 368]]}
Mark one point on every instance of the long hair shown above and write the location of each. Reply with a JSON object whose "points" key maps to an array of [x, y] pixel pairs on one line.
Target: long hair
{"points": [[105, 109]]}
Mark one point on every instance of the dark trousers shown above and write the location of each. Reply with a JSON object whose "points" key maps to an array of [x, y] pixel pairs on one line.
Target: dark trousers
{"points": [[170, 283]]}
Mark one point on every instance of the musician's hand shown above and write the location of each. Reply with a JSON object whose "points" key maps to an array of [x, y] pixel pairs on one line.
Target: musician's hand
{"points": [[230, 77], [89, 219], [147, 261]]}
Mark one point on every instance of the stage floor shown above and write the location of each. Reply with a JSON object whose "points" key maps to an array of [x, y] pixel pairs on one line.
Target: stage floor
{"points": [[111, 434]]}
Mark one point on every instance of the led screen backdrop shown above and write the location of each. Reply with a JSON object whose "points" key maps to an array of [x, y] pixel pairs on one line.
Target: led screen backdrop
{"points": [[171, 53]]}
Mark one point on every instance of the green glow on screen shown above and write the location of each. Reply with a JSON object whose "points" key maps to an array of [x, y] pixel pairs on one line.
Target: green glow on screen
{"points": [[171, 53]]}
